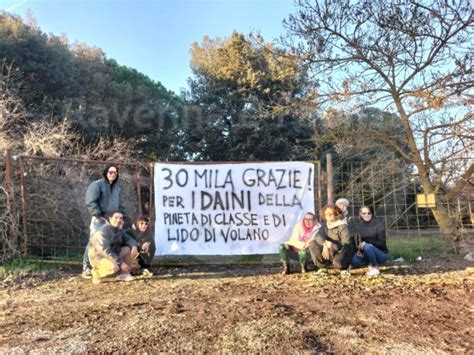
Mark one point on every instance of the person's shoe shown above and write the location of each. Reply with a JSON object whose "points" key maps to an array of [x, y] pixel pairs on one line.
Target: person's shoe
{"points": [[286, 268], [323, 272], [373, 272], [86, 274], [96, 279], [303, 268], [345, 273], [147, 273], [125, 277]]}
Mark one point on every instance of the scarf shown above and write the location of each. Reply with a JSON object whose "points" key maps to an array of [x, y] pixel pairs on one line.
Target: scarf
{"points": [[306, 232]]}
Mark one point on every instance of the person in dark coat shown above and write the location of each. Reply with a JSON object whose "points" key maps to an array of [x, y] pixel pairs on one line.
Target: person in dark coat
{"points": [[371, 242], [332, 245], [103, 197], [142, 233]]}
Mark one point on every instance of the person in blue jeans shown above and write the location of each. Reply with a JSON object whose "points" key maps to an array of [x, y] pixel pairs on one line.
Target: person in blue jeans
{"points": [[371, 242], [103, 197]]}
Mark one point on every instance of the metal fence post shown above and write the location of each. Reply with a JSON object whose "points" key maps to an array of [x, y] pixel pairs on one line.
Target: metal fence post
{"points": [[24, 207], [12, 229], [319, 181]]}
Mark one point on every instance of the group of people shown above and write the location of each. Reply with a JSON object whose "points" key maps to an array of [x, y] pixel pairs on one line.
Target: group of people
{"points": [[339, 241], [112, 251]]}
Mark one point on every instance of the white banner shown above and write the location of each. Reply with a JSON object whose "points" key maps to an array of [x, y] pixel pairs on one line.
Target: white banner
{"points": [[229, 209]]}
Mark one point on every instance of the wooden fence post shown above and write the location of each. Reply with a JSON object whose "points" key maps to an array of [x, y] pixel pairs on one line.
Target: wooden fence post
{"points": [[330, 179], [139, 190]]}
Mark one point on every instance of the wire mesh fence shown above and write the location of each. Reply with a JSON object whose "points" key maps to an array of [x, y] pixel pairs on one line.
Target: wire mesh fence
{"points": [[51, 218], [55, 218], [393, 196], [391, 190]]}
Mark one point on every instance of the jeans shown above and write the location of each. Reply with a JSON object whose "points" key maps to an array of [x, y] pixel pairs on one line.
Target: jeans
{"points": [[96, 223], [372, 255]]}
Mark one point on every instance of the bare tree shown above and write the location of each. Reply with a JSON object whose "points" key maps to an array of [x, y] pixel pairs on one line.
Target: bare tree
{"points": [[412, 58]]}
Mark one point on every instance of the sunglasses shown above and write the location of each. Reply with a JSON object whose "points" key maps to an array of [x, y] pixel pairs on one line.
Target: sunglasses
{"points": [[112, 172]]}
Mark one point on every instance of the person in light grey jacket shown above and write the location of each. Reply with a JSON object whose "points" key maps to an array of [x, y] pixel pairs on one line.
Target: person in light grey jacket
{"points": [[103, 197], [111, 251]]}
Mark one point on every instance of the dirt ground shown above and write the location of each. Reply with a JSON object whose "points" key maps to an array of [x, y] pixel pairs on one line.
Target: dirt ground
{"points": [[426, 307]]}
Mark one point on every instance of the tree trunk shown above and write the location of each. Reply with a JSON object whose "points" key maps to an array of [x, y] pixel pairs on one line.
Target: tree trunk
{"points": [[463, 242]]}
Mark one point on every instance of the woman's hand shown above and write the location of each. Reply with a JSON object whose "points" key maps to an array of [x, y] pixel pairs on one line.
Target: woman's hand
{"points": [[146, 246], [327, 247], [124, 268], [134, 252], [326, 254], [361, 246]]}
